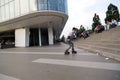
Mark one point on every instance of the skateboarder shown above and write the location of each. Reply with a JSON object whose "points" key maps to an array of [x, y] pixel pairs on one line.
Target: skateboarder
{"points": [[70, 38]]}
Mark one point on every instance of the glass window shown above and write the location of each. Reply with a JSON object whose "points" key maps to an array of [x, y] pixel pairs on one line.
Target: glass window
{"points": [[66, 8], [52, 4], [62, 5], [57, 5], [42, 4], [45, 4]]}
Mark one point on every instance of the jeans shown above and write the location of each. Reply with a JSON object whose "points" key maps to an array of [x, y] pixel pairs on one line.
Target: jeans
{"points": [[71, 45]]}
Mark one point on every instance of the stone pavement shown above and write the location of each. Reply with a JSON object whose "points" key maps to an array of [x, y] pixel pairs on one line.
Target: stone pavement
{"points": [[50, 63]]}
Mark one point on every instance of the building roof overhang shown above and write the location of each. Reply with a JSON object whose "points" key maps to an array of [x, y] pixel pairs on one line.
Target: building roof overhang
{"points": [[33, 18]]}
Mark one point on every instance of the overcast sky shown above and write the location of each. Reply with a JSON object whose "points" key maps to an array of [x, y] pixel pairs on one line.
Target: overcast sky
{"points": [[81, 12]]}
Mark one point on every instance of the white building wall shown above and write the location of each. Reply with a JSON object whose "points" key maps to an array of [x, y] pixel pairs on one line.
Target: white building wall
{"points": [[27, 6], [7, 11], [22, 37], [17, 8], [33, 5], [10, 9], [24, 6]]}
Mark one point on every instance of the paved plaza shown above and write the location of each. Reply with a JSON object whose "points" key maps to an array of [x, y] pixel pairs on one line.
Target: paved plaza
{"points": [[50, 63]]}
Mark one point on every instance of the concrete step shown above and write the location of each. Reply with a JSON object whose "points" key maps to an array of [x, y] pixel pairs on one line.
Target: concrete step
{"points": [[111, 41], [98, 37], [100, 52], [98, 41], [106, 49], [104, 44]]}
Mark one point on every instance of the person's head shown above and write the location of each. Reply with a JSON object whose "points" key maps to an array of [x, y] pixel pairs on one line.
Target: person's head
{"points": [[74, 29]]}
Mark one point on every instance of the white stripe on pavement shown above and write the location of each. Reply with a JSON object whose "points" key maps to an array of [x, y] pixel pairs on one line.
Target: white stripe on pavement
{"points": [[85, 64], [80, 53], [5, 77]]}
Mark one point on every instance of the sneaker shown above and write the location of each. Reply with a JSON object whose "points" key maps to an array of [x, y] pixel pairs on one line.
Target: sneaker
{"points": [[67, 53], [74, 52]]}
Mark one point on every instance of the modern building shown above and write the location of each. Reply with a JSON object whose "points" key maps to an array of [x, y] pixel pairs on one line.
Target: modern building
{"points": [[32, 22]]}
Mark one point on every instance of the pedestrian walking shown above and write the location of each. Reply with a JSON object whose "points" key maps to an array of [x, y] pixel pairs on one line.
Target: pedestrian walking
{"points": [[70, 39]]}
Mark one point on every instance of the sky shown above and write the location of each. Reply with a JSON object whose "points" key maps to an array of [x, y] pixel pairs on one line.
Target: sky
{"points": [[81, 12]]}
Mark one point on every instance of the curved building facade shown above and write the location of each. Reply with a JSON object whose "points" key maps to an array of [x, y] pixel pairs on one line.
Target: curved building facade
{"points": [[32, 22]]}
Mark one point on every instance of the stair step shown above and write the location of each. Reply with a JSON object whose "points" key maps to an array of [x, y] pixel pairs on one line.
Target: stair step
{"points": [[109, 45], [106, 43], [102, 41], [102, 53], [106, 49]]}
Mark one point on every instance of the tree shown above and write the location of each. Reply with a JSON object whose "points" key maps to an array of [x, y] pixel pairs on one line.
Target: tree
{"points": [[112, 12], [96, 21], [96, 18]]}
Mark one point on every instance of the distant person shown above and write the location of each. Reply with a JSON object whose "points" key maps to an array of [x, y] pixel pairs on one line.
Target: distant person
{"points": [[107, 27], [83, 33], [113, 23], [99, 28], [82, 29], [70, 39]]}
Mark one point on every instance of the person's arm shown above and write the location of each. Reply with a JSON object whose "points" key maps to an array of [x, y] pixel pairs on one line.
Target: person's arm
{"points": [[68, 38]]}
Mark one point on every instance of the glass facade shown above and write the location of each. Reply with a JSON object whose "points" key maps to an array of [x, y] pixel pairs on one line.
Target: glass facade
{"points": [[10, 9], [56, 5]]}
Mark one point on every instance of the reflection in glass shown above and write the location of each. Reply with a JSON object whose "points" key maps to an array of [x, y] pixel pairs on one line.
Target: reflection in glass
{"points": [[56, 5]]}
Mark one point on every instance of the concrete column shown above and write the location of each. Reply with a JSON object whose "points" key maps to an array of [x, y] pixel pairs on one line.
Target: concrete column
{"points": [[22, 37], [50, 34], [27, 37], [119, 23], [40, 44]]}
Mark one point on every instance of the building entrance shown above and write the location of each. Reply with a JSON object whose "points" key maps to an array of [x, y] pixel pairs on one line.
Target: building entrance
{"points": [[34, 37], [44, 36]]}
